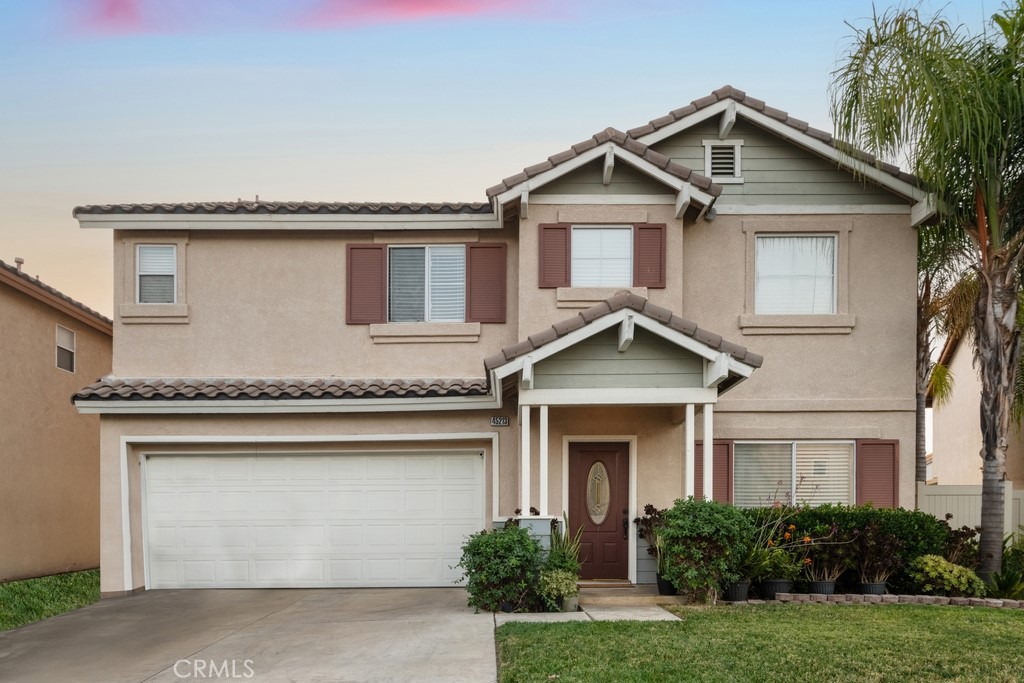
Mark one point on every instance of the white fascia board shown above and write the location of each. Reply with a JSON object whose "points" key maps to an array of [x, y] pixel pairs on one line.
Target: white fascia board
{"points": [[606, 397], [414, 221], [724, 208], [604, 199], [232, 406], [800, 138], [922, 211]]}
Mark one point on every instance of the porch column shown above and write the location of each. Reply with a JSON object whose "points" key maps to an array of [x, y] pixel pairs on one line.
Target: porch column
{"points": [[543, 461], [709, 450], [688, 447], [524, 461]]}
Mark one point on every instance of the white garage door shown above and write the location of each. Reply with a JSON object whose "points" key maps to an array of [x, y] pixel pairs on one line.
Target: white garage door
{"points": [[235, 521]]}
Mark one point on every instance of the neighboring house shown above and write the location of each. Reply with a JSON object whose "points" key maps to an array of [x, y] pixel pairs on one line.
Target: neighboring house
{"points": [[49, 454], [331, 394], [956, 428]]}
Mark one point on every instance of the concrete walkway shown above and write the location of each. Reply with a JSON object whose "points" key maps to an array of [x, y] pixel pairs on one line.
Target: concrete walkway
{"points": [[594, 613], [260, 635]]}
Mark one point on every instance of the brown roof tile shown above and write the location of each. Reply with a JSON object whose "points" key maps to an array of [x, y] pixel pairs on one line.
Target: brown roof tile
{"points": [[624, 140], [195, 389], [617, 302], [304, 207], [729, 92]]}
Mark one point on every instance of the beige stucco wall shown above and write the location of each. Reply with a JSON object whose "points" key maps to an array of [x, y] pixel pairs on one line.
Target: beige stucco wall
{"points": [[49, 454], [956, 430]]}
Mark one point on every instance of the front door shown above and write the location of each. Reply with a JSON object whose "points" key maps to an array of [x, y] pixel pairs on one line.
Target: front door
{"points": [[599, 501]]}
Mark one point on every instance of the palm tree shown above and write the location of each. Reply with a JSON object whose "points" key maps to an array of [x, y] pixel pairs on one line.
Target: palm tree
{"points": [[953, 103]]}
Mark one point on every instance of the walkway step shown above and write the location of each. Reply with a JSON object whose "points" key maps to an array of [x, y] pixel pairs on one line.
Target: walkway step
{"points": [[631, 596]]}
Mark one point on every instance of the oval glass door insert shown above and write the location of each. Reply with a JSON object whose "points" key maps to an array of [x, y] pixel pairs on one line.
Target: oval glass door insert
{"points": [[598, 493]]}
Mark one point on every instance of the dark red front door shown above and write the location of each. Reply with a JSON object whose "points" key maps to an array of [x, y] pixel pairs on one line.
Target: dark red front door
{"points": [[599, 501]]}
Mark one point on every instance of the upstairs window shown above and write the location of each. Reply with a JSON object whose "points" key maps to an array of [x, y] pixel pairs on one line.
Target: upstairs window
{"points": [[65, 349], [795, 275], [427, 284], [602, 256], [723, 161], [156, 274]]}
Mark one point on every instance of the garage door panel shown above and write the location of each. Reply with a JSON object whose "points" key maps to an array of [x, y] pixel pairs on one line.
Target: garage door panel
{"points": [[310, 520]]}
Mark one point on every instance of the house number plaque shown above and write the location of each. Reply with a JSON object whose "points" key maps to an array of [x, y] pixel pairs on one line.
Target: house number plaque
{"points": [[499, 421]]}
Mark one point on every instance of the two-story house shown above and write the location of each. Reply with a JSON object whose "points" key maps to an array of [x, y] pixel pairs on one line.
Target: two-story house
{"points": [[336, 394], [50, 345]]}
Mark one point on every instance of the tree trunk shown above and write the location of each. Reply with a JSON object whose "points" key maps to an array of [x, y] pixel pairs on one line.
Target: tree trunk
{"points": [[996, 352]]}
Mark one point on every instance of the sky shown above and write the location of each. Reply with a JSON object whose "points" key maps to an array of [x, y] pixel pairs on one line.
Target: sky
{"points": [[123, 101]]}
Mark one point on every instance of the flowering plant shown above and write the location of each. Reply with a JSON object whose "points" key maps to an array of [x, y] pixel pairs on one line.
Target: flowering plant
{"points": [[834, 551]]}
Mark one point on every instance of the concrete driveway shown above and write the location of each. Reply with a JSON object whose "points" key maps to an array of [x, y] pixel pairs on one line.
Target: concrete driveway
{"points": [[259, 635]]}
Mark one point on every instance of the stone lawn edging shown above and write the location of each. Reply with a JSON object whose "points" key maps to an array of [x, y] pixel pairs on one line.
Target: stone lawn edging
{"points": [[858, 599]]}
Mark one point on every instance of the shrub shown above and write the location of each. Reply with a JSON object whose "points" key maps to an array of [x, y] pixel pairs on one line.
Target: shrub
{"points": [[879, 553], [961, 546], [564, 553], [935, 575], [501, 568], [649, 525], [556, 584], [702, 542], [1007, 584]]}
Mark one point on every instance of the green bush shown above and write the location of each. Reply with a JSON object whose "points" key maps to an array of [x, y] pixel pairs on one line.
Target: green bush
{"points": [[556, 584], [501, 569], [1007, 584], [935, 575], [702, 542], [564, 553]]}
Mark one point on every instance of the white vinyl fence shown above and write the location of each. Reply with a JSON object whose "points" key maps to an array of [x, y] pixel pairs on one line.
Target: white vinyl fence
{"points": [[964, 502]]}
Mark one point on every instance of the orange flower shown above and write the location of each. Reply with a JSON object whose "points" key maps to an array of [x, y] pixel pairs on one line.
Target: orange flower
{"points": [[807, 560], [807, 539], [787, 535], [792, 526], [770, 543]]}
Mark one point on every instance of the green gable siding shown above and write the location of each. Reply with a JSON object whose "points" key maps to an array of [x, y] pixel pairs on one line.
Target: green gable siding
{"points": [[649, 362], [774, 170], [588, 179]]}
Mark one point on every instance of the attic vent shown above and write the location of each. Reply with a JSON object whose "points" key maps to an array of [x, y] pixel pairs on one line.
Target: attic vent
{"points": [[722, 160]]}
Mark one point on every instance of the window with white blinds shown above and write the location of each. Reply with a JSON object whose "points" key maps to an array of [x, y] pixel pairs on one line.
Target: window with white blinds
{"points": [[795, 274], [803, 472], [602, 256], [427, 284], [157, 267], [65, 349]]}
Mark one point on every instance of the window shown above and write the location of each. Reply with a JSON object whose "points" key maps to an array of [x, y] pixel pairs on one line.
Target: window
{"points": [[723, 161], [801, 472], [156, 267], [427, 284], [795, 274], [602, 256], [65, 349]]}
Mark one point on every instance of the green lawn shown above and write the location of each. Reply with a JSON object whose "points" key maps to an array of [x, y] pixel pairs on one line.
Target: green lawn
{"points": [[22, 602], [791, 643]]}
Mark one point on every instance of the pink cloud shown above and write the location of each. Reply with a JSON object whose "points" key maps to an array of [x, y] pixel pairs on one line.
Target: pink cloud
{"points": [[346, 13]]}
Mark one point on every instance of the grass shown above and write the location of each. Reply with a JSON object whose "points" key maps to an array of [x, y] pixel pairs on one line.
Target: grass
{"points": [[789, 643], [22, 602]]}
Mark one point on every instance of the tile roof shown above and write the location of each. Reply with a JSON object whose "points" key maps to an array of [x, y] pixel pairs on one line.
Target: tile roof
{"points": [[247, 389], [621, 139], [260, 206], [731, 93], [615, 303], [43, 287]]}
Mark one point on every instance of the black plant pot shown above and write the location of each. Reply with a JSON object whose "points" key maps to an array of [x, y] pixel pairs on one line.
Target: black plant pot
{"points": [[872, 588], [665, 586], [770, 588], [823, 587], [737, 592]]}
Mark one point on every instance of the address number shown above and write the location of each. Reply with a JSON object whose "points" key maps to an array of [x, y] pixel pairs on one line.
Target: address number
{"points": [[500, 421]]}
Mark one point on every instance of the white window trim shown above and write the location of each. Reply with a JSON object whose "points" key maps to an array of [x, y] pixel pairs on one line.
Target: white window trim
{"points": [[426, 284], [604, 226], [73, 349], [792, 462], [737, 146], [139, 274], [835, 268]]}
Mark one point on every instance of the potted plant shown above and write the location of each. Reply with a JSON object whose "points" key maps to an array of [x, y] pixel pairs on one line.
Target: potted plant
{"points": [[752, 566], [558, 590], [879, 557], [781, 568], [825, 560], [648, 526], [564, 552]]}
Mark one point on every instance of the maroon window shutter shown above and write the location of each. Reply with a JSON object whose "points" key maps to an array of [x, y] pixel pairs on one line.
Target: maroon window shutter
{"points": [[721, 474], [649, 255], [555, 254], [366, 294], [485, 282], [878, 472]]}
